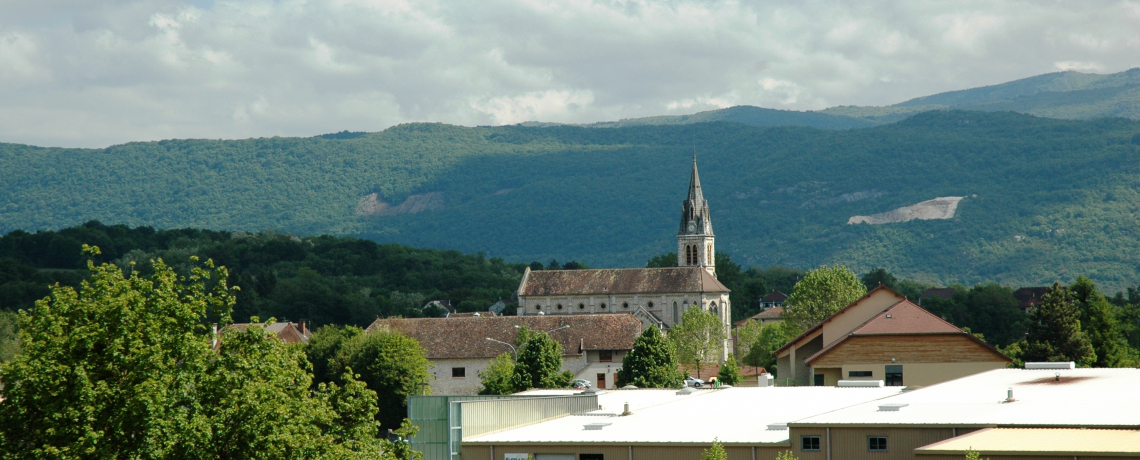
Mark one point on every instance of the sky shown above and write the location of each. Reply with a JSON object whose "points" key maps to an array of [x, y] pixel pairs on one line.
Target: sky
{"points": [[81, 73]]}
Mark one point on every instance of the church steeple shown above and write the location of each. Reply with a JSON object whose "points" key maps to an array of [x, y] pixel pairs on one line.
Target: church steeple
{"points": [[695, 240]]}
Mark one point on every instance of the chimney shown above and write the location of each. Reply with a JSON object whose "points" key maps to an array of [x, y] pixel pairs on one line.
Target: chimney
{"points": [[305, 328]]}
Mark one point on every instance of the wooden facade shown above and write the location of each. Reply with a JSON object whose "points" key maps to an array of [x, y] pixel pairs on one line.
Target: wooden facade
{"points": [[919, 348]]}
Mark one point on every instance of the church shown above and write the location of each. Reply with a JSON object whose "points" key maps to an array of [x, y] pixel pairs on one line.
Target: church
{"points": [[656, 296]]}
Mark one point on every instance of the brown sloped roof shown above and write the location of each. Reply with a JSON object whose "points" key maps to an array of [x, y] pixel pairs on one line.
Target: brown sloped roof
{"points": [[285, 331], [774, 296], [906, 318], [819, 326], [771, 313], [466, 337], [618, 281]]}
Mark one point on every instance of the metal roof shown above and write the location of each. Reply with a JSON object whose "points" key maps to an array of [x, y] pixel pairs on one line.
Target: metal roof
{"points": [[1042, 398], [732, 415], [1041, 441]]}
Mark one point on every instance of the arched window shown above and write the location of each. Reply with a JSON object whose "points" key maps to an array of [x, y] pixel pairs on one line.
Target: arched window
{"points": [[709, 256], [676, 314], [625, 304], [689, 254], [581, 306]]}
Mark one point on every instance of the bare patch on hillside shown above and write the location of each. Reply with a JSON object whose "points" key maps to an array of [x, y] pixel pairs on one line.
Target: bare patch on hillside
{"points": [[370, 205], [938, 208]]}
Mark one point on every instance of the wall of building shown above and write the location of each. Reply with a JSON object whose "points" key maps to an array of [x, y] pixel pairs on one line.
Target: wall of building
{"points": [[1026, 456], [802, 374], [623, 452], [851, 443], [445, 384], [922, 374], [840, 325]]}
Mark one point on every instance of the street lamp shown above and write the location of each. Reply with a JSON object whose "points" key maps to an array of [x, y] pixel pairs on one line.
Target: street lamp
{"points": [[513, 350]]}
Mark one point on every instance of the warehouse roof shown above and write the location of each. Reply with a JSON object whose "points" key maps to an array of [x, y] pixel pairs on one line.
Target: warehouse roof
{"points": [[1040, 441], [732, 415], [608, 281], [1042, 398]]}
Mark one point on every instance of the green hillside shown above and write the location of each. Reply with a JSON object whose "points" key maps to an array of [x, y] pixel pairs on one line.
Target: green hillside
{"points": [[749, 115], [1045, 199]]}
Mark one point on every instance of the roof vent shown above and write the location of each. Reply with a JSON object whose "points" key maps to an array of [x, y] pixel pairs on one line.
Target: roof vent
{"points": [[892, 407], [1054, 365], [861, 383], [888, 316], [596, 426], [777, 426]]}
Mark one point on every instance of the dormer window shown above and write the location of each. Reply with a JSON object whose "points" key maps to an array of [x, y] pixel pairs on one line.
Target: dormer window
{"points": [[606, 356]]}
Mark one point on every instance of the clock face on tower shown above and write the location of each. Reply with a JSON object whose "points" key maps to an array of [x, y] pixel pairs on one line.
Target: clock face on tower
{"points": [[692, 226]]}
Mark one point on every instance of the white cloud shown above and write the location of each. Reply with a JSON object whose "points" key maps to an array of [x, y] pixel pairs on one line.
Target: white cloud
{"points": [[94, 73]]}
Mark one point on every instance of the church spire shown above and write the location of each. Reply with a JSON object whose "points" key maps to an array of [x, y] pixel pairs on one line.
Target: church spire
{"points": [[695, 240], [695, 194]]}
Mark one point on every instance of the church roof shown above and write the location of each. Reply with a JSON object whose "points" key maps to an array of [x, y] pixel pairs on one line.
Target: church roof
{"points": [[619, 281]]}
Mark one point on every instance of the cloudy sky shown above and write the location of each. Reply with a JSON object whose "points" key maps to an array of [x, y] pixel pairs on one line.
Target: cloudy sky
{"points": [[94, 73]]}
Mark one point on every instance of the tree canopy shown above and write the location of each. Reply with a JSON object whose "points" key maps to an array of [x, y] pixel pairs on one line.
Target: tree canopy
{"points": [[1055, 331], [698, 339], [651, 363], [821, 293], [124, 367], [539, 363]]}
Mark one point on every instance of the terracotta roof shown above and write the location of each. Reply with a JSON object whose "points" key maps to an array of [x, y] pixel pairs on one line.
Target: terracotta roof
{"points": [[905, 318], [774, 296], [771, 313], [286, 331], [819, 326], [466, 337], [618, 281], [481, 314]]}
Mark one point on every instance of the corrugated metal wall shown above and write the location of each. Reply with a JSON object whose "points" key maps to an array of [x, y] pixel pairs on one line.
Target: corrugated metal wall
{"points": [[484, 417], [429, 413], [619, 452], [851, 443]]}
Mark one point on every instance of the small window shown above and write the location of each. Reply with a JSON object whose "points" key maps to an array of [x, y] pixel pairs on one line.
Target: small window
{"points": [[650, 304], [877, 443], [581, 306], [818, 380], [458, 372], [603, 306], [606, 356], [809, 443], [625, 304], [853, 374], [559, 306], [538, 307]]}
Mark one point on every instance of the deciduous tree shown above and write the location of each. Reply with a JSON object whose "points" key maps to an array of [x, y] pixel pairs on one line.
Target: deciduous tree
{"points": [[651, 364], [497, 377], [821, 293], [698, 339], [393, 365], [729, 371], [539, 363]]}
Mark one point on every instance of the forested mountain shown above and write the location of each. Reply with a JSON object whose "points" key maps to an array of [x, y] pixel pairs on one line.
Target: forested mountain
{"points": [[1044, 199], [746, 114]]}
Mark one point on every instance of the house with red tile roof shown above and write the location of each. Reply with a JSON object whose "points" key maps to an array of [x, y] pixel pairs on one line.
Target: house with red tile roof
{"points": [[884, 336], [459, 347]]}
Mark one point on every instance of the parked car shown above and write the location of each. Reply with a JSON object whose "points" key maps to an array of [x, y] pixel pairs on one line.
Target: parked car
{"points": [[579, 384], [694, 382]]}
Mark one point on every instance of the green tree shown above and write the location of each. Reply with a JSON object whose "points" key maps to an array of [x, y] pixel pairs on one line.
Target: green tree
{"points": [[1055, 331], [786, 455], [714, 452], [698, 339], [1098, 320], [651, 364], [497, 376], [323, 348], [392, 364], [772, 336], [539, 363], [125, 368], [821, 293], [729, 371], [878, 276], [9, 336], [972, 454], [662, 261]]}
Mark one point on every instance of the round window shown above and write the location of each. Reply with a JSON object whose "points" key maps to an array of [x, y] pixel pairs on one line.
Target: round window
{"points": [[581, 306], [538, 307], [603, 305], [559, 306], [650, 304], [625, 305]]}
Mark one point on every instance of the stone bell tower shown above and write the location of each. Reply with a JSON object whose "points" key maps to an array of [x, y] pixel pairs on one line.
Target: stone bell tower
{"points": [[695, 241]]}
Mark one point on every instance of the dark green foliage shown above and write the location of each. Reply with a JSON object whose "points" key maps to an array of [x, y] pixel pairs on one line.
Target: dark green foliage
{"points": [[663, 260], [651, 364], [778, 195], [772, 336], [324, 346], [1055, 331], [988, 309], [1098, 320], [391, 364], [539, 362], [323, 279], [878, 276], [729, 371], [9, 336]]}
